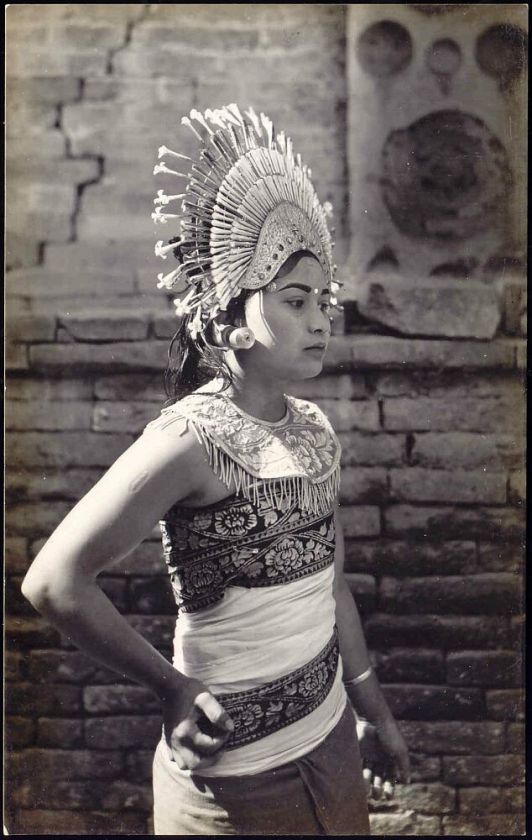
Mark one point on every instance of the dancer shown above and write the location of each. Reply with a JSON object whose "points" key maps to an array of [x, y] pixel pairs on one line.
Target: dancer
{"points": [[270, 666]]}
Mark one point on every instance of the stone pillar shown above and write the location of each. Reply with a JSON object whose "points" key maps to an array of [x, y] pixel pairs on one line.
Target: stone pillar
{"points": [[437, 164]]}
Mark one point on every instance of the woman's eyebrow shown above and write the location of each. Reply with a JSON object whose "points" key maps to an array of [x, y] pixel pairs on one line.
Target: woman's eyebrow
{"points": [[303, 288]]}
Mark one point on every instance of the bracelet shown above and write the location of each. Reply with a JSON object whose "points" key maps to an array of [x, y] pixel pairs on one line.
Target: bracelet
{"points": [[360, 678]]}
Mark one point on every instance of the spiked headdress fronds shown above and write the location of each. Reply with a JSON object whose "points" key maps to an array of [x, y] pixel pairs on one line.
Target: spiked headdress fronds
{"points": [[247, 205]]}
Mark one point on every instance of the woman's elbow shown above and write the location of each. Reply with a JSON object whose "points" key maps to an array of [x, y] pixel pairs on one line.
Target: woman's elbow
{"points": [[46, 593]]}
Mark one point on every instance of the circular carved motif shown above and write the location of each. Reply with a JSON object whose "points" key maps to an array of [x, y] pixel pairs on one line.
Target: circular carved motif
{"points": [[384, 49], [446, 176], [444, 57], [501, 52]]}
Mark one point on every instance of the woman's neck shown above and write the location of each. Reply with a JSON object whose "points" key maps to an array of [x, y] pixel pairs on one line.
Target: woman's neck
{"points": [[263, 400]]}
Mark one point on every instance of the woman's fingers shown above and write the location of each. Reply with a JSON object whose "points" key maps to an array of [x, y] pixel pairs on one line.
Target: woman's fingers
{"points": [[367, 776], [388, 789], [213, 711], [188, 735], [376, 787]]}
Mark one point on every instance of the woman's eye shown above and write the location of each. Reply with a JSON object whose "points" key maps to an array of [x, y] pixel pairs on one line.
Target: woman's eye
{"points": [[298, 303], [325, 307]]}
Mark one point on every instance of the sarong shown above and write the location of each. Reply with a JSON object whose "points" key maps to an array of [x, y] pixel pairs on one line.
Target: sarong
{"points": [[322, 793]]}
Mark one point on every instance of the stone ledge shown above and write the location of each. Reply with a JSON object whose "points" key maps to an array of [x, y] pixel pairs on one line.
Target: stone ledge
{"points": [[442, 308]]}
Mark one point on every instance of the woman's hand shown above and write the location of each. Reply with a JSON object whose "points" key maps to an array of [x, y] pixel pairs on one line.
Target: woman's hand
{"points": [[384, 756], [196, 727]]}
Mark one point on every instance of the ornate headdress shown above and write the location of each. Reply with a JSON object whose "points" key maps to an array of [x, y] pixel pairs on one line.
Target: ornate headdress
{"points": [[248, 204]]}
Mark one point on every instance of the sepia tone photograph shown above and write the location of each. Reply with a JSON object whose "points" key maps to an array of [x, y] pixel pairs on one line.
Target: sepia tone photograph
{"points": [[266, 318]]}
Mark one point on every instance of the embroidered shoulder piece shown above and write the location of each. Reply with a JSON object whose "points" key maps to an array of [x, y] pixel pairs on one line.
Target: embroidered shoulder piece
{"points": [[296, 459]]}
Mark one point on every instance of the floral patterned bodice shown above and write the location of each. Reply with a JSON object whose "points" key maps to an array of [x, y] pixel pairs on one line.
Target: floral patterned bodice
{"points": [[278, 525], [241, 543]]}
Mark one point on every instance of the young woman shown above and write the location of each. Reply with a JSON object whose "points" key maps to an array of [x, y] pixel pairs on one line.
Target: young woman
{"points": [[259, 735]]}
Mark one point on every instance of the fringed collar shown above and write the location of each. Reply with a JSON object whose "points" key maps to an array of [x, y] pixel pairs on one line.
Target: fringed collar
{"points": [[295, 459]]}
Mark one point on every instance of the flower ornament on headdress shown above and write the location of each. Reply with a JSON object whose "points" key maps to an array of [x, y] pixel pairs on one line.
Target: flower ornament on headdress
{"points": [[248, 203]]}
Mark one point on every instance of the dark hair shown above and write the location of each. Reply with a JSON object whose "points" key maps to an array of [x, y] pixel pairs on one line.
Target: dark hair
{"points": [[194, 362]]}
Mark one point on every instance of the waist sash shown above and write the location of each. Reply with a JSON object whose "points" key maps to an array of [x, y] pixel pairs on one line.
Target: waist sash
{"points": [[261, 711]]}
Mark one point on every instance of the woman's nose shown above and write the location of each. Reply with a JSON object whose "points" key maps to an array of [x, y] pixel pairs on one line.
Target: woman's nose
{"points": [[319, 320]]}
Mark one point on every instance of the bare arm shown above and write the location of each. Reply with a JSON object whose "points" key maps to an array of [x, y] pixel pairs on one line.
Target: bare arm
{"points": [[107, 524], [385, 744]]}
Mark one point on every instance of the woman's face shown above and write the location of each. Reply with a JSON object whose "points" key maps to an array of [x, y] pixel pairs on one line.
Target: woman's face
{"points": [[291, 324]]}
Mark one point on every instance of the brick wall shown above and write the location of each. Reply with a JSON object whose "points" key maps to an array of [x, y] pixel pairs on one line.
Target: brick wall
{"points": [[432, 428]]}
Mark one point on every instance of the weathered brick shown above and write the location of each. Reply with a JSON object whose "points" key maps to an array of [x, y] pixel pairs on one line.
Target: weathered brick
{"points": [[506, 825], [142, 386], [38, 822], [424, 768], [447, 384], [360, 449], [23, 698], [384, 351], [51, 145], [466, 450], [491, 800], [410, 558], [157, 629], [16, 356], [427, 799], [515, 738], [363, 589], [67, 764], [124, 416], [50, 793], [127, 796], [436, 523], [415, 665], [68, 449], [344, 415], [54, 416], [496, 669], [19, 732], [59, 666], [119, 732], [498, 557], [33, 519], [489, 594], [436, 307], [139, 764], [43, 89], [14, 666], [97, 325], [434, 415], [16, 555], [31, 328], [421, 702], [54, 732], [342, 387], [360, 521], [152, 595], [50, 484], [504, 704], [23, 633], [455, 487], [399, 824], [363, 484], [121, 355], [455, 737], [48, 390], [338, 357], [116, 590], [517, 488], [483, 770], [436, 630], [16, 603], [40, 283], [119, 699]]}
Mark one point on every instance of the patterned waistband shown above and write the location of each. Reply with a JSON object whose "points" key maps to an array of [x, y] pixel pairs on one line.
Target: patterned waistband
{"points": [[261, 711]]}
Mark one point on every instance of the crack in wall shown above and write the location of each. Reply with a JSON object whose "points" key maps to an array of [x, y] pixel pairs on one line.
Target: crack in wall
{"points": [[130, 26]]}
